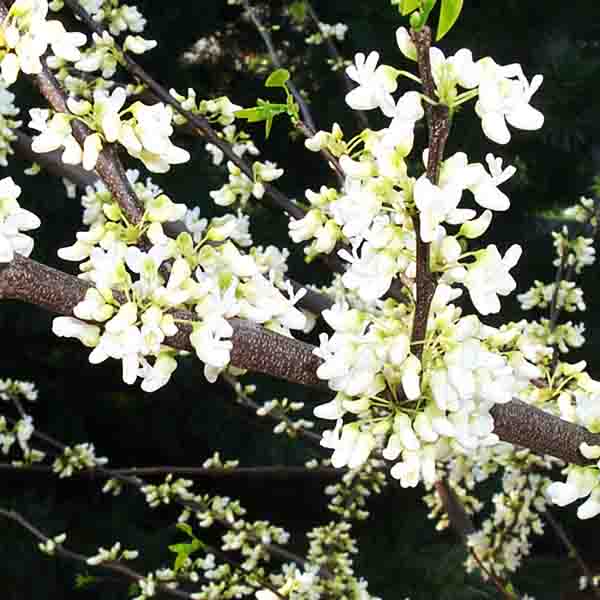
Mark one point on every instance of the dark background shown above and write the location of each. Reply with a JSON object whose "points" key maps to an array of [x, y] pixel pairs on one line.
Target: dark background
{"points": [[401, 554]]}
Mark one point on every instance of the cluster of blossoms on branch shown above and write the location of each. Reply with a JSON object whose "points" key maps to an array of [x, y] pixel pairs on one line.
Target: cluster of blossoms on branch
{"points": [[422, 401], [417, 401]]}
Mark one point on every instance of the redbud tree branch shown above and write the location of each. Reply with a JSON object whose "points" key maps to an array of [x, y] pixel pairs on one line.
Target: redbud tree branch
{"points": [[272, 473], [263, 351], [438, 125], [254, 347], [64, 552]]}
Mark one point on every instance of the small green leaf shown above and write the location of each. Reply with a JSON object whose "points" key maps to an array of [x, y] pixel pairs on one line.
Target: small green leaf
{"points": [[406, 6], [448, 14], [277, 78]]}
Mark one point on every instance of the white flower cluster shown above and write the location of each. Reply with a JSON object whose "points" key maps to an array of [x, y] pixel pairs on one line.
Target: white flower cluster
{"points": [[218, 110], [373, 213], [540, 295], [114, 554], [240, 144], [118, 18], [503, 92], [77, 458], [20, 433], [417, 406], [326, 31], [580, 252], [25, 35], [202, 271], [504, 538], [14, 220], [240, 187], [49, 546], [14, 388], [281, 411], [466, 368], [145, 134], [7, 123]]}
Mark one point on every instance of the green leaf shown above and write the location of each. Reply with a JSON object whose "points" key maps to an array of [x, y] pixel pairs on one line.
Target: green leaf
{"points": [[265, 111], [406, 6], [277, 78], [448, 14], [427, 8]]}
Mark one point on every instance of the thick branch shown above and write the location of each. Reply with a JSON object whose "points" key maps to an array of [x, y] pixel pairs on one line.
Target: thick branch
{"points": [[254, 347], [263, 351], [524, 425]]}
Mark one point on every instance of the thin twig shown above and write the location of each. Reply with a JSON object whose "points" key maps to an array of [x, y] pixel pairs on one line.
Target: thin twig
{"points": [[279, 200], [61, 551], [270, 472], [273, 55]]}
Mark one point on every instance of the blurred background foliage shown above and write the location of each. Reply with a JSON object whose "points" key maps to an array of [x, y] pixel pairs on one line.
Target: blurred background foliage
{"points": [[186, 422]]}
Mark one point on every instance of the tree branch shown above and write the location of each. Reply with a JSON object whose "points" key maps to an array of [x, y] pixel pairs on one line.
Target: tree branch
{"points": [[263, 351], [254, 347], [63, 552], [438, 125]]}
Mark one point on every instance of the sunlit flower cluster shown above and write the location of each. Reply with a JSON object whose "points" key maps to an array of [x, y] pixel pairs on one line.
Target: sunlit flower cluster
{"points": [[134, 292], [145, 135], [25, 35]]}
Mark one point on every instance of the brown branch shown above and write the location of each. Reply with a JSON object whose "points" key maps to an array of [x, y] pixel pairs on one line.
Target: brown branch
{"points": [[275, 473], [525, 425], [438, 125], [263, 351], [63, 552], [108, 165], [254, 347]]}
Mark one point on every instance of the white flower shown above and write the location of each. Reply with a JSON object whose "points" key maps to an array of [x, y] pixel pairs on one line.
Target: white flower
{"points": [[435, 205], [405, 43], [370, 275], [504, 95], [138, 45], [157, 375], [375, 83], [489, 277], [211, 342], [88, 335]]}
